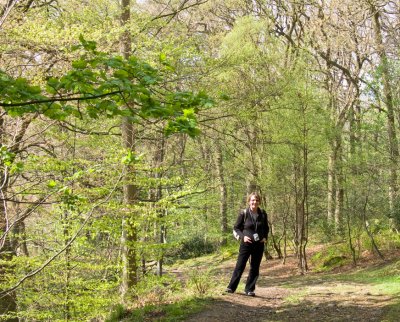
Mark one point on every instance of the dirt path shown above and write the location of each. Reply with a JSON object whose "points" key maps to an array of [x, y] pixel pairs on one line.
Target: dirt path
{"points": [[310, 298]]}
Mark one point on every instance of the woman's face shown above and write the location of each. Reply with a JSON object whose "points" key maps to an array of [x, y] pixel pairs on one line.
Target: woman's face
{"points": [[253, 203]]}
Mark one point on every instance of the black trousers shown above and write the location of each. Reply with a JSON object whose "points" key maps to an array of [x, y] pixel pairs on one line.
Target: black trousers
{"points": [[255, 252]]}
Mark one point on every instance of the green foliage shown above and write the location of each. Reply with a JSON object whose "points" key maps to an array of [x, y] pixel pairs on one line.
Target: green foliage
{"points": [[118, 313], [78, 283], [105, 85], [7, 160], [387, 239], [249, 39], [330, 257], [192, 247], [152, 289], [200, 282], [395, 212]]}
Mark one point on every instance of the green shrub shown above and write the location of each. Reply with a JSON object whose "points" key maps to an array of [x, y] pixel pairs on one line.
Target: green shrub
{"points": [[193, 247], [331, 257], [118, 312], [154, 289], [200, 282], [388, 240]]}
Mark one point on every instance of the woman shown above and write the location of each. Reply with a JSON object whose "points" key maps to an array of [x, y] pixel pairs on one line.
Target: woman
{"points": [[251, 228]]}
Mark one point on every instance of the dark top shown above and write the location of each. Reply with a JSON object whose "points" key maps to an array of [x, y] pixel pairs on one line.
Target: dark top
{"points": [[252, 225]]}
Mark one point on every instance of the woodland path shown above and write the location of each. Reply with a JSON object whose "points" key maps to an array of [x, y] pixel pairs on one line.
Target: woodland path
{"points": [[312, 297]]}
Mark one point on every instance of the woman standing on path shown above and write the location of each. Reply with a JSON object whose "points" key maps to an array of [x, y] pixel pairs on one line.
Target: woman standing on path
{"points": [[251, 228]]}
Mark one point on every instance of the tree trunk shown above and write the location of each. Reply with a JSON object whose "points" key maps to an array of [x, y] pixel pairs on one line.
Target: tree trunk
{"points": [[339, 191], [8, 303], [331, 186], [389, 102], [301, 197], [370, 235], [129, 234], [161, 230], [222, 193], [300, 236], [67, 296]]}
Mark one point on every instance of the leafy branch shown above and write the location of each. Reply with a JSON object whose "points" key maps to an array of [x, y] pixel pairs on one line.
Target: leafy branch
{"points": [[4, 293], [105, 85]]}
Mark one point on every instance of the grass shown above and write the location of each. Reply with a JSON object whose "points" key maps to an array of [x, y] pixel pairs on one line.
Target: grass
{"points": [[168, 312], [297, 298], [162, 313], [198, 281], [384, 278], [393, 312]]}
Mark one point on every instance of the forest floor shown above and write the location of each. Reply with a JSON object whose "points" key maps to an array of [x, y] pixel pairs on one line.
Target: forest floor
{"points": [[282, 294]]}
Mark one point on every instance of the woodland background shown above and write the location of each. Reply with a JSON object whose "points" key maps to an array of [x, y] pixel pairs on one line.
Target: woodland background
{"points": [[132, 131]]}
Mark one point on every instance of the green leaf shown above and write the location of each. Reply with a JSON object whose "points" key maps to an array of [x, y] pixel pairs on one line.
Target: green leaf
{"points": [[17, 167], [130, 158], [51, 184], [34, 89], [122, 74], [79, 64]]}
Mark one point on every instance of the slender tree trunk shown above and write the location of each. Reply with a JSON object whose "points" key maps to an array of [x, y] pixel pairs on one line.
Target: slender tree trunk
{"points": [[275, 244], [305, 203], [370, 235], [301, 190], [222, 193], [339, 195], [332, 161], [129, 233], [300, 219], [253, 176], [349, 233], [158, 161], [331, 186], [8, 303], [67, 272], [389, 102]]}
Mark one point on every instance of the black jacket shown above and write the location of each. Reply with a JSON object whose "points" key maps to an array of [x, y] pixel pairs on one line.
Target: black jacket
{"points": [[246, 226]]}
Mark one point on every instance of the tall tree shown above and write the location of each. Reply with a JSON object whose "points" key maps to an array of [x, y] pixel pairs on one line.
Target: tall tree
{"points": [[388, 99], [129, 234]]}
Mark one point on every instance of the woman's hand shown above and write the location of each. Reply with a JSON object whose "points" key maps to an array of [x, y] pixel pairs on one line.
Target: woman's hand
{"points": [[247, 239]]}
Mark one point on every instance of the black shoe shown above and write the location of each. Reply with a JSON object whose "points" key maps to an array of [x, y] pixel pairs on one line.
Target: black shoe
{"points": [[229, 290], [250, 293]]}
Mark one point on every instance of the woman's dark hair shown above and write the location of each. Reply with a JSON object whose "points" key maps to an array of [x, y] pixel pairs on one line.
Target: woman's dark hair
{"points": [[256, 195]]}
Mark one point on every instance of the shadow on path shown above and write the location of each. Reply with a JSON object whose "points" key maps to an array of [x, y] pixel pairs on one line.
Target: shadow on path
{"points": [[221, 311]]}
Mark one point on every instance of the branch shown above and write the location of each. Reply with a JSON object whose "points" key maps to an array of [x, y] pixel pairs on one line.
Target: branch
{"points": [[25, 215], [73, 238], [181, 8], [74, 128], [62, 99], [6, 10]]}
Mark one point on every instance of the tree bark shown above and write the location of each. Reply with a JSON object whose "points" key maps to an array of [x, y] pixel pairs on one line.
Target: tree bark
{"points": [[331, 186], [222, 193], [7, 250], [160, 228], [129, 233]]}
